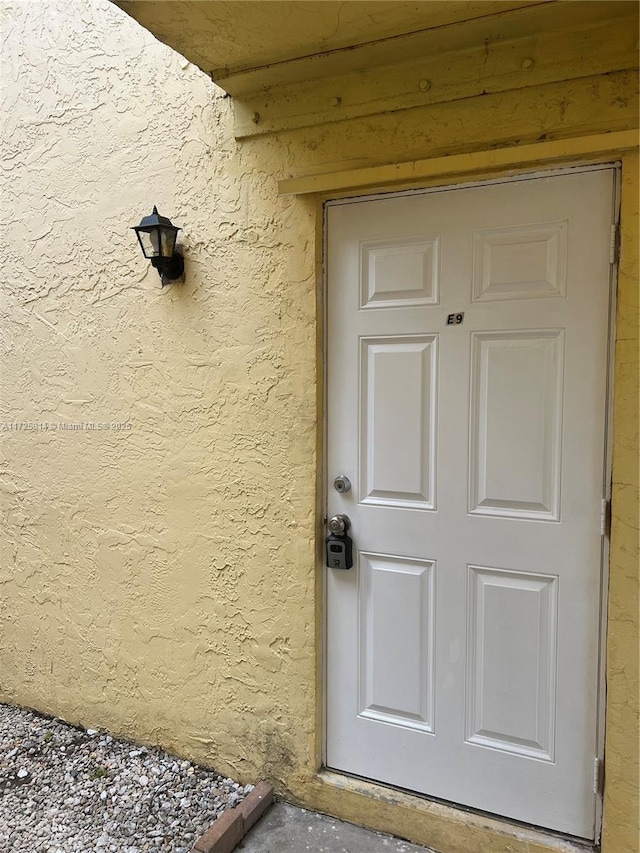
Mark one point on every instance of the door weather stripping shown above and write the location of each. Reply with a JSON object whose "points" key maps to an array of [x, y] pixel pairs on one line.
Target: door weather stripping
{"points": [[614, 245], [605, 517]]}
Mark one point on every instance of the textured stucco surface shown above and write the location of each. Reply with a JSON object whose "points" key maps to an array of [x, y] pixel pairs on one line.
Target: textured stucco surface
{"points": [[622, 802], [157, 579], [160, 579]]}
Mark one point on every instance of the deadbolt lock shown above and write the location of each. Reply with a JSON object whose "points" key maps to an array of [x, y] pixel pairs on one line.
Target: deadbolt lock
{"points": [[342, 484]]}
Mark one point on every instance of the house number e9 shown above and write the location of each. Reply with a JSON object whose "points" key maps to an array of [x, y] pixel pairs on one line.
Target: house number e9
{"points": [[455, 319]]}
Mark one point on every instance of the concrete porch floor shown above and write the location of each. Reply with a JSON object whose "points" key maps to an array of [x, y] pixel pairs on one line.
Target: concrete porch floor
{"points": [[287, 829]]}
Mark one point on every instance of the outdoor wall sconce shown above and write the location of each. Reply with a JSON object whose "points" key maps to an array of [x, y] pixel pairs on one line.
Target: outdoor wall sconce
{"points": [[157, 237]]}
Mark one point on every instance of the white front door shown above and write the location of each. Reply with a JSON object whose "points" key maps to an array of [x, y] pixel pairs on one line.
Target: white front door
{"points": [[462, 647]]}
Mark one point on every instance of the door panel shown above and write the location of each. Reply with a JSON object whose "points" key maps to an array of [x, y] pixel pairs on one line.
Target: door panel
{"points": [[516, 411], [462, 648], [520, 262], [512, 632], [399, 273], [398, 421], [396, 612]]}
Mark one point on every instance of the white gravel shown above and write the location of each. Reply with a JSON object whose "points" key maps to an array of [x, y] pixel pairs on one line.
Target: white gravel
{"points": [[67, 790]]}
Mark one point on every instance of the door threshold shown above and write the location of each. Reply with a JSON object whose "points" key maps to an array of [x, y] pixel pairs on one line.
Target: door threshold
{"points": [[442, 826]]}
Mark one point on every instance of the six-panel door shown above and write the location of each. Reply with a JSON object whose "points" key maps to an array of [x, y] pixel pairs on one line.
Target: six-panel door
{"points": [[462, 648]]}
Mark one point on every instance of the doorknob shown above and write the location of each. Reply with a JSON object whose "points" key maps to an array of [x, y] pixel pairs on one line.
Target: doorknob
{"points": [[339, 524]]}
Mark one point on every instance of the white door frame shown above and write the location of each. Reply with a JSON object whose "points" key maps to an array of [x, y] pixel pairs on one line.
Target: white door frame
{"points": [[608, 449]]}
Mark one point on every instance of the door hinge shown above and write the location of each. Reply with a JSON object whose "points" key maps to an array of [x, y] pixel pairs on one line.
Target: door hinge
{"points": [[605, 517], [598, 776], [614, 245]]}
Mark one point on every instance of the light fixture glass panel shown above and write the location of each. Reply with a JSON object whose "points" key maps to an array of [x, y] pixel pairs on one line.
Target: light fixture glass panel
{"points": [[168, 242], [150, 243]]}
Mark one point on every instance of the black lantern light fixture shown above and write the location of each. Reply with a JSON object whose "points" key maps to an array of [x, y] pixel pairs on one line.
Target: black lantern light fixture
{"points": [[157, 237]]}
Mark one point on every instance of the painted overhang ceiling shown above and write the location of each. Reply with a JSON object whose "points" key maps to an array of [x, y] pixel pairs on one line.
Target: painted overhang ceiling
{"points": [[228, 37], [300, 63]]}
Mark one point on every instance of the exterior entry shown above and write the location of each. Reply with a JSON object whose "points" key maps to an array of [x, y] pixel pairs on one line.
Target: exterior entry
{"points": [[466, 404]]}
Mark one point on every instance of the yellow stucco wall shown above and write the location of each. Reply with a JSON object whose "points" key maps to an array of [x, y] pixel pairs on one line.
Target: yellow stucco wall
{"points": [[622, 806], [160, 579]]}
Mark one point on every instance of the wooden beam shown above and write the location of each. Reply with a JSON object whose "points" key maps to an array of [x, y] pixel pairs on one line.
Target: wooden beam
{"points": [[520, 49], [441, 38], [495, 160]]}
